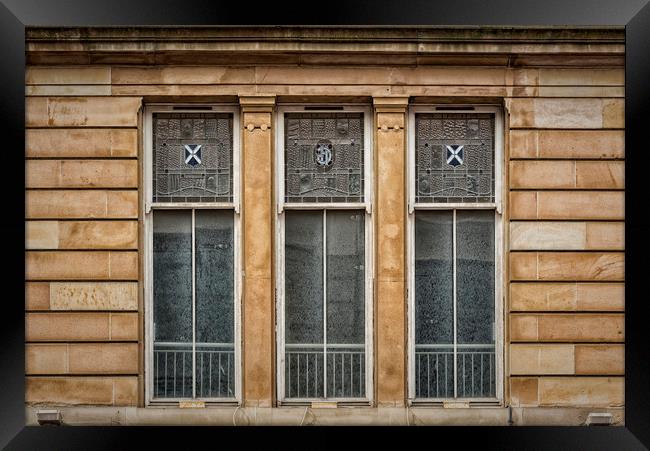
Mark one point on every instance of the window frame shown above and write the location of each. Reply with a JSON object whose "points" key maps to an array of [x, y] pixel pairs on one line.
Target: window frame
{"points": [[147, 210], [499, 249], [365, 206]]}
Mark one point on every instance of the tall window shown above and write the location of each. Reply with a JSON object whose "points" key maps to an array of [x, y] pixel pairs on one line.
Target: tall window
{"points": [[192, 257], [323, 282], [454, 266]]}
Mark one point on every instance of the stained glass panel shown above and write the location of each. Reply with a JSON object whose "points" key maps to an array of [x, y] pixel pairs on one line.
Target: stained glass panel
{"points": [[192, 157], [454, 157], [324, 157]]}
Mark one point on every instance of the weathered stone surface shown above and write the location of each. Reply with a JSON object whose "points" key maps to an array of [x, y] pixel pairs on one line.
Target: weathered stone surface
{"points": [[182, 75], [81, 143], [46, 358], [600, 359], [566, 113], [523, 205], [67, 90], [258, 342], [542, 174], [530, 359], [581, 266], [37, 295], [391, 342], [82, 111], [548, 235], [567, 296], [600, 174], [124, 326], [93, 295], [81, 390], [67, 326], [68, 75], [523, 266], [53, 265], [581, 77], [81, 174], [41, 235], [585, 327], [523, 391], [581, 391], [103, 358], [580, 205], [567, 144], [81, 235], [606, 235], [73, 204]]}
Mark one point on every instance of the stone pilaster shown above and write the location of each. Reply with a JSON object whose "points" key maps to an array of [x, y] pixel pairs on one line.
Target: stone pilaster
{"points": [[390, 226], [257, 225]]}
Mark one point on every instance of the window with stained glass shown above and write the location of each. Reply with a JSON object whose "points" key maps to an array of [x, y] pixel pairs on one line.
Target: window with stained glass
{"points": [[454, 157], [454, 256], [193, 157], [324, 157], [324, 350], [192, 277]]}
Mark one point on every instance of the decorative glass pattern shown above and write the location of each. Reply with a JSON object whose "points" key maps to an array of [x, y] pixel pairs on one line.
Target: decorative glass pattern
{"points": [[324, 157], [454, 157], [192, 157]]}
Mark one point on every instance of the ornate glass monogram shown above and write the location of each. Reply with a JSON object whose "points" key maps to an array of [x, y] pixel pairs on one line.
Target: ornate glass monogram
{"points": [[193, 157], [454, 157], [324, 157]]}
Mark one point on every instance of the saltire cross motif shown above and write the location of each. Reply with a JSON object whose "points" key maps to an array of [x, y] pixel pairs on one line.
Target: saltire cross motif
{"points": [[192, 154], [454, 155]]}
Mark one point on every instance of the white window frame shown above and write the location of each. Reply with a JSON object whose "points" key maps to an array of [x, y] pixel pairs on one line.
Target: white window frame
{"points": [[497, 207], [147, 213], [366, 205]]}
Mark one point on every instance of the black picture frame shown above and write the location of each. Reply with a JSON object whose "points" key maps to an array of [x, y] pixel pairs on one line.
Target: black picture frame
{"points": [[634, 14]]}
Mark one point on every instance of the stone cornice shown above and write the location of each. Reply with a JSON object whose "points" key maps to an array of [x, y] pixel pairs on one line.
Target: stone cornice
{"points": [[496, 46]]}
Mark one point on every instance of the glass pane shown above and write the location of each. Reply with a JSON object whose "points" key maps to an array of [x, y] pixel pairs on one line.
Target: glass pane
{"points": [[345, 304], [454, 157], [172, 298], [215, 358], [192, 157], [304, 304], [434, 314], [475, 302], [324, 157]]}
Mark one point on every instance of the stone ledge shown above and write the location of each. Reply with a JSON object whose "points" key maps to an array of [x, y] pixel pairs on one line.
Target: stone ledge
{"points": [[295, 416]]}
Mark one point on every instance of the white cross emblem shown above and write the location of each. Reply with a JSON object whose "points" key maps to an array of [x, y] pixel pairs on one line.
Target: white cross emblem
{"points": [[193, 154], [454, 155]]}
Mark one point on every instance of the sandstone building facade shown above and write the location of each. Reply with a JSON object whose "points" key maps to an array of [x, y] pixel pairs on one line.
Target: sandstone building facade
{"points": [[313, 225]]}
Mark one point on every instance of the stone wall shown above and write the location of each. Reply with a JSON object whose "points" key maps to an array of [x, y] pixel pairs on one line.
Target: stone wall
{"points": [[563, 201]]}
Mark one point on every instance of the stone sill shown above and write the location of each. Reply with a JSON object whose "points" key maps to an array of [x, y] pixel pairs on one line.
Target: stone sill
{"points": [[296, 416]]}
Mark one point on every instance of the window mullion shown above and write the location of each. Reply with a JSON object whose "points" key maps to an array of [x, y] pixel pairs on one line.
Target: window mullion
{"points": [[325, 303], [193, 304], [455, 309]]}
